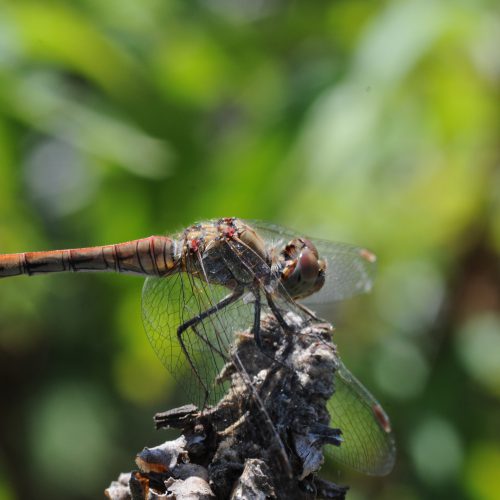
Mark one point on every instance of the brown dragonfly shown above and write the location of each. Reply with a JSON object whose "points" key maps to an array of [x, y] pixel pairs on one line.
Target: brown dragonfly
{"points": [[220, 276]]}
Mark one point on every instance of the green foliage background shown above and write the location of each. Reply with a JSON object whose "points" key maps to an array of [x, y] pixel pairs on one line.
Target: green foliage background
{"points": [[374, 123]]}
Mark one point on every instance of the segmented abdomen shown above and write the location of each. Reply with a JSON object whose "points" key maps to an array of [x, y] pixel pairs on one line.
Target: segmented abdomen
{"points": [[153, 256]]}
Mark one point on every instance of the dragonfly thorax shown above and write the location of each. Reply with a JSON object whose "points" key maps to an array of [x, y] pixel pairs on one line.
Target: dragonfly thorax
{"points": [[303, 272], [228, 252]]}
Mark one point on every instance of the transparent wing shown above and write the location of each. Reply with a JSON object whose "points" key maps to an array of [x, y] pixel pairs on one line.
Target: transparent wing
{"points": [[170, 302], [350, 269], [368, 443]]}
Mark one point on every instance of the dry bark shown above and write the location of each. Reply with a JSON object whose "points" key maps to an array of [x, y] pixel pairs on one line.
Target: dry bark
{"points": [[264, 439]]}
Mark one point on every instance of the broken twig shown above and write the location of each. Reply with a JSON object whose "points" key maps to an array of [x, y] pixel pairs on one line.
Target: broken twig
{"points": [[264, 439]]}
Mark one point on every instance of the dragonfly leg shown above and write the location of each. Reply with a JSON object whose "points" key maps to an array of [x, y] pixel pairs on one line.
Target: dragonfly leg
{"points": [[256, 320], [308, 311], [198, 319], [208, 343], [276, 312]]}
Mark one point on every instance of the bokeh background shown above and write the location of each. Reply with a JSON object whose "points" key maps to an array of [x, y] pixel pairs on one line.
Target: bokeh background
{"points": [[374, 123]]}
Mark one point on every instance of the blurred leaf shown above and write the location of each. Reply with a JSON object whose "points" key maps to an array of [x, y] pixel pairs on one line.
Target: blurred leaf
{"points": [[63, 35], [70, 443], [437, 451], [478, 344], [481, 473], [43, 102]]}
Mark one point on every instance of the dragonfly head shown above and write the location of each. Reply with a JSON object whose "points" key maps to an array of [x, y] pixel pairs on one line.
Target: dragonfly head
{"points": [[303, 272]]}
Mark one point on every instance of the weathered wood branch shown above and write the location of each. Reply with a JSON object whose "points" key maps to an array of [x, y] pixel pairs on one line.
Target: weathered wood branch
{"points": [[264, 439]]}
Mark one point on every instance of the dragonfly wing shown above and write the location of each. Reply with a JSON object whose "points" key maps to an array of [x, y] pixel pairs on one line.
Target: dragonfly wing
{"points": [[168, 303], [368, 443], [350, 271], [350, 268]]}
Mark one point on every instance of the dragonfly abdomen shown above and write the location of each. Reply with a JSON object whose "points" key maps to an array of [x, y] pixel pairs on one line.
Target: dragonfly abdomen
{"points": [[153, 256]]}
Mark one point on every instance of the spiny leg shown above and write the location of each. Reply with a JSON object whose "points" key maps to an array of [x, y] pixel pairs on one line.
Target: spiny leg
{"points": [[308, 311], [198, 319], [208, 343], [256, 324], [276, 312], [256, 319]]}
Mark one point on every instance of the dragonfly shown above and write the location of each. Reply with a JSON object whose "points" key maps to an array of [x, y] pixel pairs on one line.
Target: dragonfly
{"points": [[220, 276]]}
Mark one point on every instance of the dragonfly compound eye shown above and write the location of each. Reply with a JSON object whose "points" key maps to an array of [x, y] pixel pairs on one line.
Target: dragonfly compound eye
{"points": [[305, 274], [308, 244]]}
